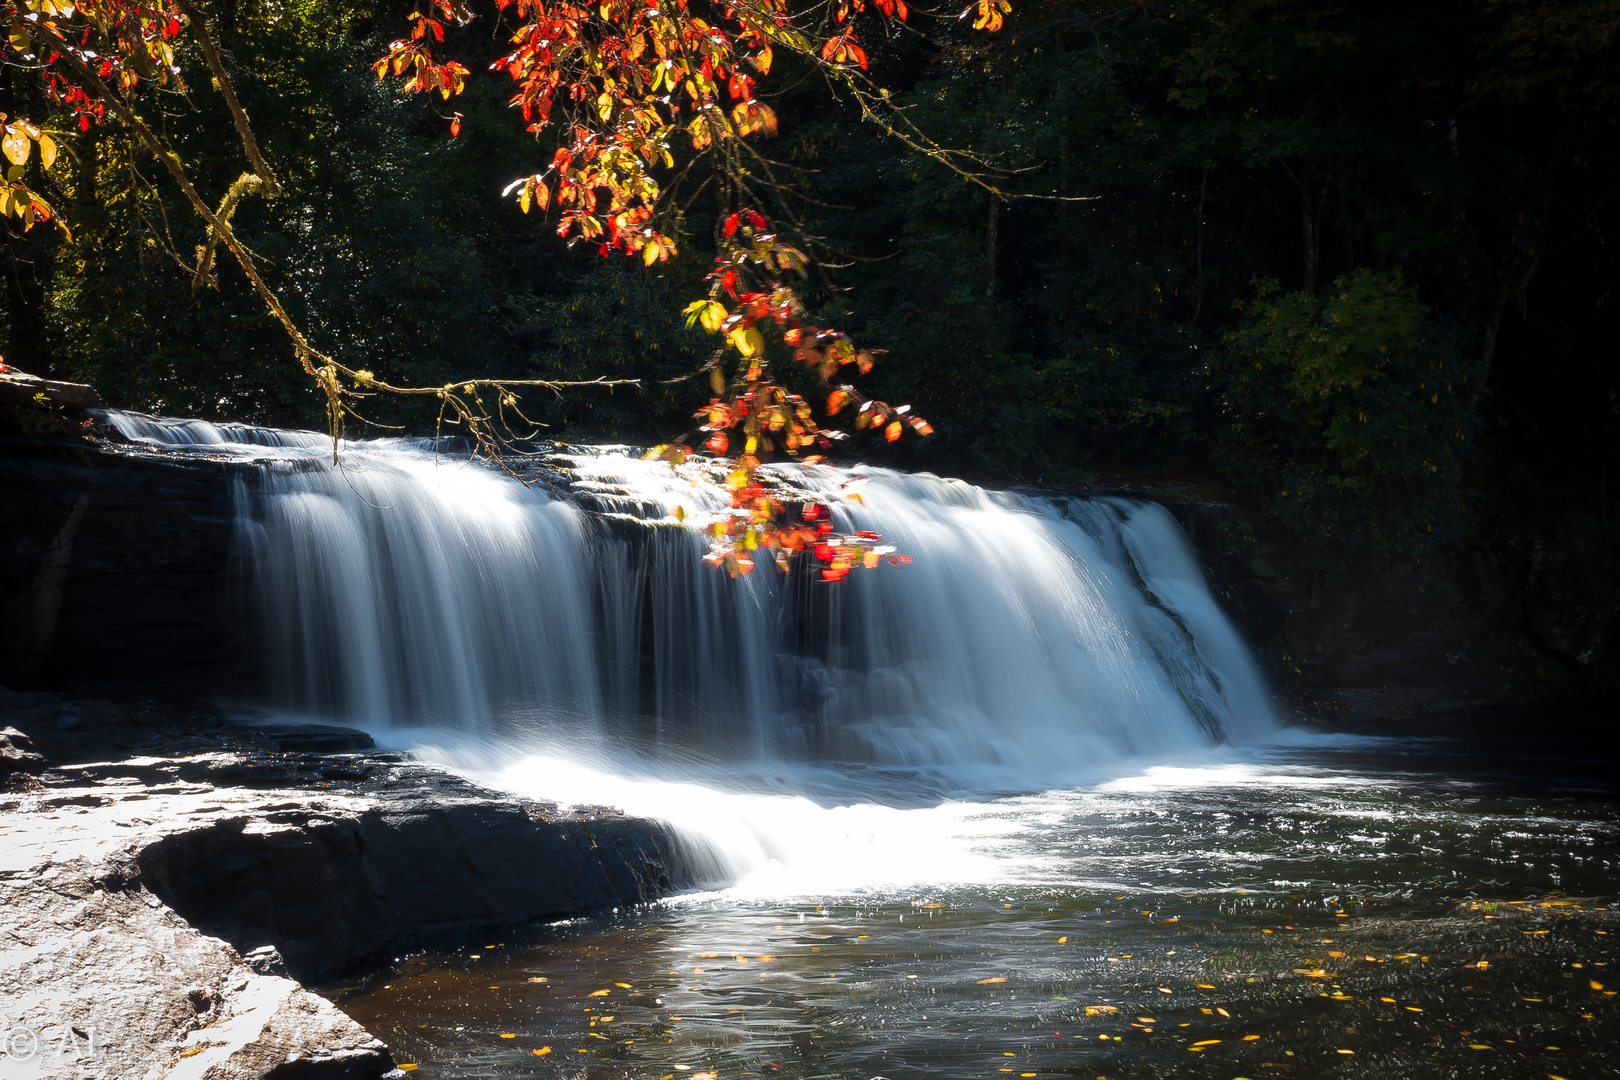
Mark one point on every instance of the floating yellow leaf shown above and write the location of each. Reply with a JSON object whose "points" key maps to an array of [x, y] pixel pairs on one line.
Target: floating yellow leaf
{"points": [[1205, 986], [506, 1035], [1313, 973], [1344, 1051], [1250, 1038], [1594, 984], [1478, 1046], [1063, 940], [1207, 1042], [1098, 1010], [991, 981], [193, 1051], [627, 986], [408, 1067], [599, 993], [543, 1051]]}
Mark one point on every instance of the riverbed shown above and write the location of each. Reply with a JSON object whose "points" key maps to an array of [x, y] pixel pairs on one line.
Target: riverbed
{"points": [[1432, 899]]}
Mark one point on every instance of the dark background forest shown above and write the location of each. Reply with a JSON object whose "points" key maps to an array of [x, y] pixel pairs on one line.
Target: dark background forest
{"points": [[1348, 262]]}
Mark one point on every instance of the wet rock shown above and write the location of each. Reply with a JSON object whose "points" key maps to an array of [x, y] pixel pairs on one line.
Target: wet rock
{"points": [[17, 752], [155, 901], [18, 388]]}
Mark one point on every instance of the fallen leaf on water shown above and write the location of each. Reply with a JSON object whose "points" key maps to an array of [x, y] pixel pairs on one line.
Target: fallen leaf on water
{"points": [[408, 1067], [1098, 1010], [1337, 955], [1163, 989], [1344, 1051], [543, 1051], [627, 986], [1479, 966], [599, 993], [1205, 986], [194, 1050], [1207, 1042], [1063, 940], [504, 1035], [1478, 1046], [538, 979], [1250, 1038], [1223, 1012], [1594, 984], [764, 959], [1313, 973], [987, 982]]}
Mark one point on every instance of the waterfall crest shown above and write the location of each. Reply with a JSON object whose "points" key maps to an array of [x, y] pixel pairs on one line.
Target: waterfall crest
{"points": [[1030, 637]]}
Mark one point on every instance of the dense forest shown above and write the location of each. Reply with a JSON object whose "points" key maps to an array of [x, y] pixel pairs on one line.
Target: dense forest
{"points": [[1349, 260]]}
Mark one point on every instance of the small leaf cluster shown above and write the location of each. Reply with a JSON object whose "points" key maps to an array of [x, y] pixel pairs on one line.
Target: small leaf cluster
{"points": [[750, 291]]}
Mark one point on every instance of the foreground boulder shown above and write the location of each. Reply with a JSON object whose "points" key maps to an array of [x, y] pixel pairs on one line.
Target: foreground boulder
{"points": [[163, 876]]}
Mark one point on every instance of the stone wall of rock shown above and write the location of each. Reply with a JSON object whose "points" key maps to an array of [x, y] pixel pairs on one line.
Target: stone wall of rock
{"points": [[114, 571]]}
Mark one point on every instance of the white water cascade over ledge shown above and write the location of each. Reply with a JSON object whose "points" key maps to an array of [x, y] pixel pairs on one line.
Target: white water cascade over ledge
{"points": [[802, 734]]}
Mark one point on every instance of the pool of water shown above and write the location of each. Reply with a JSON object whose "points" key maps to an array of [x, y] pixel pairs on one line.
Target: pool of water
{"points": [[1434, 900]]}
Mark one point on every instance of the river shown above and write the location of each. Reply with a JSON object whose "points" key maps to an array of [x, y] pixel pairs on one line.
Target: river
{"points": [[1023, 807]]}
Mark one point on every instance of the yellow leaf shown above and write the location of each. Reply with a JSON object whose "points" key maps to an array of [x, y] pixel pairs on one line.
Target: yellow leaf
{"points": [[1063, 941], [991, 981], [599, 993], [47, 151], [1207, 1042], [1594, 984], [407, 1067], [1250, 1038], [16, 145], [543, 1051], [504, 1035]]}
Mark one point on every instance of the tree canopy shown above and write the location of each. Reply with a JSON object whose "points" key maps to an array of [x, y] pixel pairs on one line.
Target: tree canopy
{"points": [[1341, 255]]}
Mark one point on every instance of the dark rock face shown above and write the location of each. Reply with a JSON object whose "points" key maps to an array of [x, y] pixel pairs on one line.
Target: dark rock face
{"points": [[114, 571], [430, 859]]}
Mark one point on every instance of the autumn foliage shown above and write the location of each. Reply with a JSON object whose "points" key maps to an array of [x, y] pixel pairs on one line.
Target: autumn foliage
{"points": [[624, 90], [754, 416]]}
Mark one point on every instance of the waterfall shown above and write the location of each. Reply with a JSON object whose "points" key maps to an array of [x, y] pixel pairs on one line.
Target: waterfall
{"points": [[1030, 637]]}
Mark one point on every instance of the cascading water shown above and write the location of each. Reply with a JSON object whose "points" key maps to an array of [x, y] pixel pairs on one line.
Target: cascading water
{"points": [[1033, 642]]}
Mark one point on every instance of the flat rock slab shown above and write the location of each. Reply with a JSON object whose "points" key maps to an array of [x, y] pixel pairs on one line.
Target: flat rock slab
{"points": [[156, 901]]}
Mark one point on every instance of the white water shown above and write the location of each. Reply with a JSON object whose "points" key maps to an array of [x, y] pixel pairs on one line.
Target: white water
{"points": [[809, 735]]}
